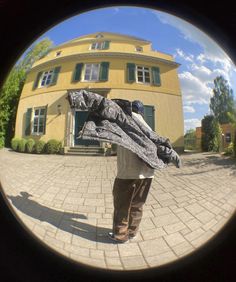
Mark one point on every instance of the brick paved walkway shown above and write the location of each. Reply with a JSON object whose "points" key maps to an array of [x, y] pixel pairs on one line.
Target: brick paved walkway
{"points": [[67, 202]]}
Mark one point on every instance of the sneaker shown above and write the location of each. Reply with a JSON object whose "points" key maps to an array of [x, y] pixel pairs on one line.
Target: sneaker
{"points": [[112, 237], [131, 237]]}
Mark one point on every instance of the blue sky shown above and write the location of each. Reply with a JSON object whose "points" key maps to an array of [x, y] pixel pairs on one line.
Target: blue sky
{"points": [[200, 57]]}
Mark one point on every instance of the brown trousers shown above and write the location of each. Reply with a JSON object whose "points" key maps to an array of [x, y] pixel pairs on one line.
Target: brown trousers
{"points": [[129, 196]]}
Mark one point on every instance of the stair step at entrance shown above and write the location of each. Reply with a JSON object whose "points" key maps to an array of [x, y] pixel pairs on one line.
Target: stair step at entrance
{"points": [[85, 150]]}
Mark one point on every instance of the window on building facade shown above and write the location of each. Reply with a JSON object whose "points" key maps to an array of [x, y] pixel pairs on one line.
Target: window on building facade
{"points": [[100, 45], [39, 121], [91, 72], [58, 53], [228, 137], [138, 48], [143, 74], [46, 78]]}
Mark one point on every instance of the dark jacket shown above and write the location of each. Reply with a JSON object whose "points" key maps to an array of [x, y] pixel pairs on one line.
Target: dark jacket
{"points": [[112, 121]]}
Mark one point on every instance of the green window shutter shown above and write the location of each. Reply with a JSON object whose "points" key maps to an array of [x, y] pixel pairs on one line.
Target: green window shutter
{"points": [[103, 73], [55, 75], [106, 45], [28, 122], [45, 119], [130, 72], [36, 82], [77, 72], [149, 116], [156, 78]]}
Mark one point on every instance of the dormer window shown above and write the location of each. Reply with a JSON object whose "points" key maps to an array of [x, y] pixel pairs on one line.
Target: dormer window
{"points": [[100, 45], [58, 53], [139, 49], [99, 35]]}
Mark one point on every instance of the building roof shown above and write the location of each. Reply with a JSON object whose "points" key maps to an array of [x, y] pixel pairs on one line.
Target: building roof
{"points": [[152, 55], [106, 34]]}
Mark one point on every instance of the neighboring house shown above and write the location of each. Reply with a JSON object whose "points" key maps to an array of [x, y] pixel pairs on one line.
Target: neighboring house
{"points": [[112, 65], [227, 135], [199, 138]]}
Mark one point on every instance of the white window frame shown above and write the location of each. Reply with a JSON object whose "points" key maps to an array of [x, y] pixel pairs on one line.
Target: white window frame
{"points": [[139, 48], [99, 35], [144, 70], [46, 76], [39, 116], [98, 45], [93, 65], [228, 135]]}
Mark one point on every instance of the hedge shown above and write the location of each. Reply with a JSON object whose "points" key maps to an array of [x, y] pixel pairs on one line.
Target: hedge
{"points": [[2, 140], [21, 145], [15, 143], [53, 146], [39, 147], [29, 146]]}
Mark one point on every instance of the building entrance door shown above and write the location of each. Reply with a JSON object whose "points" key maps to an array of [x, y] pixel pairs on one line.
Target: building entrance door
{"points": [[80, 118]]}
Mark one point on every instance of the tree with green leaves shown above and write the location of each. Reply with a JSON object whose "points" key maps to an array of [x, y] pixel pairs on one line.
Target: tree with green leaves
{"points": [[222, 102], [36, 52], [216, 143], [9, 98], [211, 134], [11, 90]]}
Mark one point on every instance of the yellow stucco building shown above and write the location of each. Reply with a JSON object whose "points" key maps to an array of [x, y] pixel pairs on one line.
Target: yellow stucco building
{"points": [[112, 65]]}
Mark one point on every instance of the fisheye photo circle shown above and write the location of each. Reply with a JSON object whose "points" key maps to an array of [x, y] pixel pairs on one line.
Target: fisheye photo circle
{"points": [[118, 141]]}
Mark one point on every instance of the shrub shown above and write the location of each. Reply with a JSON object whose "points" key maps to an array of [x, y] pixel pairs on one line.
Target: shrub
{"points": [[21, 145], [207, 133], [39, 147], [211, 134], [29, 146], [15, 143], [53, 146], [229, 151], [217, 139], [2, 140]]}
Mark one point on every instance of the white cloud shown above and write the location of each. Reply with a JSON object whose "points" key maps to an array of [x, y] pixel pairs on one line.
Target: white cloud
{"points": [[189, 109], [191, 123], [193, 34], [202, 72], [212, 52], [201, 58], [199, 70], [197, 80], [181, 54], [194, 90]]}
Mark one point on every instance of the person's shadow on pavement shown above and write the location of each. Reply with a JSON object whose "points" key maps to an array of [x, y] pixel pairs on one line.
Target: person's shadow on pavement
{"points": [[65, 221]]}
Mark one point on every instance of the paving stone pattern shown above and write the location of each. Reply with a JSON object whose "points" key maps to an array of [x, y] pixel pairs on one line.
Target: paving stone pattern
{"points": [[66, 201]]}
